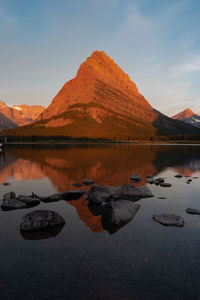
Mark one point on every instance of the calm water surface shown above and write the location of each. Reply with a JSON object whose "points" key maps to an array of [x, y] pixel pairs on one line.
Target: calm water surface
{"points": [[142, 260]]}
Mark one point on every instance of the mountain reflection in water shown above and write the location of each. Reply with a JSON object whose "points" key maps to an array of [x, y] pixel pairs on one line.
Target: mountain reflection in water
{"points": [[105, 164]]}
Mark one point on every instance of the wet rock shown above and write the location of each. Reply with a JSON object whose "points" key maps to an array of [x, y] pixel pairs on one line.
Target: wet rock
{"points": [[87, 181], [135, 177], [77, 184], [95, 209], [169, 220], [189, 180], [178, 176], [6, 183], [28, 200], [117, 214], [159, 180], [52, 198], [193, 211], [150, 180], [10, 204], [165, 184], [9, 195], [195, 177], [99, 194], [41, 219], [162, 198], [73, 194]]}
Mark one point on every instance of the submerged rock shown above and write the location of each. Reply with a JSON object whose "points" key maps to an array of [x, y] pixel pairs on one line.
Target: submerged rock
{"points": [[88, 181], [41, 219], [10, 204], [117, 214], [9, 195], [169, 220], [135, 177], [52, 198], [77, 184], [72, 195], [193, 211]]}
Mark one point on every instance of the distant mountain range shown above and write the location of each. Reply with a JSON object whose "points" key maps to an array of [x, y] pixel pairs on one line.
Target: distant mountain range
{"points": [[102, 102], [189, 117], [18, 115]]}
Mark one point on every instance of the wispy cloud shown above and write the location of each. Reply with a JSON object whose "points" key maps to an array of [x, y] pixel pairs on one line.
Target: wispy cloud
{"points": [[190, 66]]}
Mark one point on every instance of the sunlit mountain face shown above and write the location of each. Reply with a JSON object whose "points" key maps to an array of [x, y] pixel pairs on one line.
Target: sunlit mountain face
{"points": [[106, 165], [188, 117]]}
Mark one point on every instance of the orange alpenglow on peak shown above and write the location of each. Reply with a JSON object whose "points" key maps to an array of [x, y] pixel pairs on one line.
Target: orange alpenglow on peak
{"points": [[185, 114]]}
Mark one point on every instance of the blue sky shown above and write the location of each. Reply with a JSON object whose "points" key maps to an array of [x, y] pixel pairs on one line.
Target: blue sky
{"points": [[43, 43]]}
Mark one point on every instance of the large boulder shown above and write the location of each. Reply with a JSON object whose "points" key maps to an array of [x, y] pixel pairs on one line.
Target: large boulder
{"points": [[169, 220], [10, 204], [99, 194], [41, 219], [73, 194], [118, 213]]}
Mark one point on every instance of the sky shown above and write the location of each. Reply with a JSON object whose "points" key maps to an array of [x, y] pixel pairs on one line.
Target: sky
{"points": [[157, 42]]}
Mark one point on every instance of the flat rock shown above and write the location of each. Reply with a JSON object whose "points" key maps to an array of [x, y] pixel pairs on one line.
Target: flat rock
{"points": [[88, 181], [9, 195], [73, 194], [165, 184], [193, 211], [52, 198], [135, 177], [28, 200], [41, 219], [178, 176], [10, 204], [169, 220]]}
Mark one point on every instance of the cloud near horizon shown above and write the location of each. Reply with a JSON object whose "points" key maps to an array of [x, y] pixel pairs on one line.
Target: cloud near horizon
{"points": [[156, 43]]}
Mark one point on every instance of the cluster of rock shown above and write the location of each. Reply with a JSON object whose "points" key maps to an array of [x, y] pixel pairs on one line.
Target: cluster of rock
{"points": [[116, 205]]}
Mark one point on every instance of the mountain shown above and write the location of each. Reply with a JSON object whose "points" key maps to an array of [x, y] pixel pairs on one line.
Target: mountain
{"points": [[189, 117], [18, 115], [102, 102]]}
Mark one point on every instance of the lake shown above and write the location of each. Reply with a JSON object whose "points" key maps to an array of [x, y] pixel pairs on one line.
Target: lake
{"points": [[85, 259]]}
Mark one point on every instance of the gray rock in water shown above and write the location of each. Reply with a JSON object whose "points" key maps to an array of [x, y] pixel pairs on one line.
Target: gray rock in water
{"points": [[159, 181], [72, 195], [135, 177], [99, 194], [165, 184], [193, 211], [6, 183], [28, 200], [41, 219], [118, 213], [87, 181], [10, 204], [9, 195], [169, 220], [150, 180], [77, 184], [178, 176], [52, 198]]}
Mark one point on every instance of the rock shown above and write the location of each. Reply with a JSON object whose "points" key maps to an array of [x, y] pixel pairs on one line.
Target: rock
{"points": [[178, 176], [10, 204], [165, 184], [77, 184], [9, 195], [129, 192], [6, 183], [117, 214], [28, 200], [99, 194], [159, 180], [41, 219], [42, 233], [87, 181], [149, 176], [162, 198], [193, 211], [195, 177], [73, 194], [52, 198], [135, 177], [150, 180], [189, 180], [169, 220]]}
